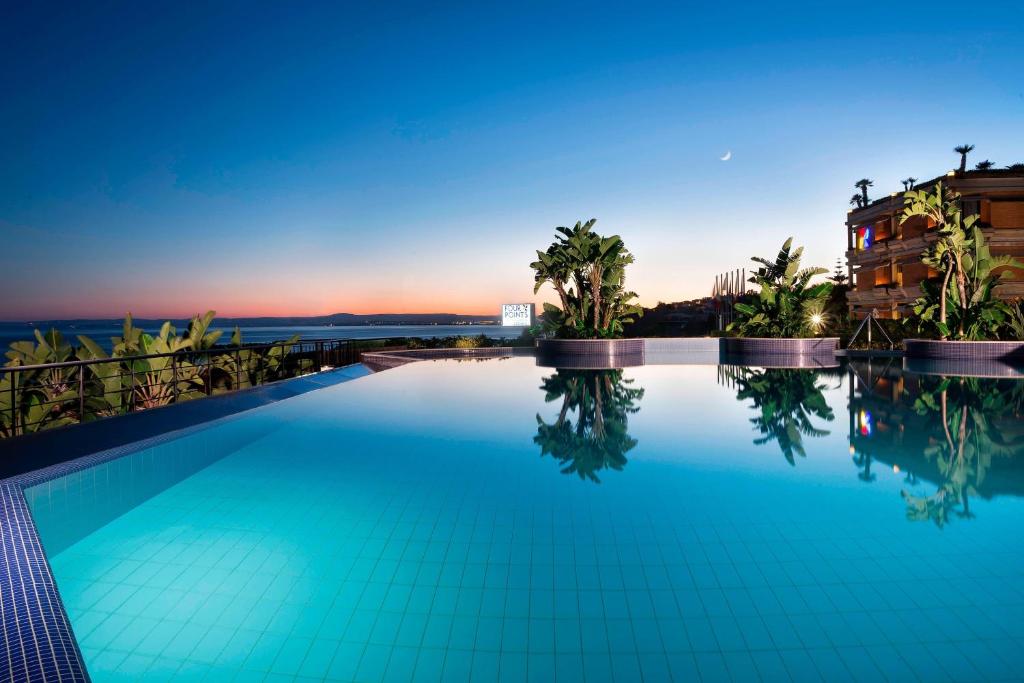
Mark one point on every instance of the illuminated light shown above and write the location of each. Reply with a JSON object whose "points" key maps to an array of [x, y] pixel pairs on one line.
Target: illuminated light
{"points": [[852, 449], [814, 314], [864, 422], [896, 469]]}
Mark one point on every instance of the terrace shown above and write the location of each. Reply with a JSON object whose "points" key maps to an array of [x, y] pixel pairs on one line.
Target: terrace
{"points": [[479, 514]]}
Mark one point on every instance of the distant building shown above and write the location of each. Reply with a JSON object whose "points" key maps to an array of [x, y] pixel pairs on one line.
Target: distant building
{"points": [[884, 257]]}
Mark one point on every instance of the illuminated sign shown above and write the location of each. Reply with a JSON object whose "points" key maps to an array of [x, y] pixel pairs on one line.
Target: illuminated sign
{"points": [[516, 315], [864, 238]]}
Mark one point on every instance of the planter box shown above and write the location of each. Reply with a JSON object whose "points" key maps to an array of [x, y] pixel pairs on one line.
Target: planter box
{"points": [[590, 353], [818, 352], [964, 350], [969, 358]]}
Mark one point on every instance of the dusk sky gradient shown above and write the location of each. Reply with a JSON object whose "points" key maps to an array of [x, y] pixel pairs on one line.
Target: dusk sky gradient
{"points": [[303, 159]]}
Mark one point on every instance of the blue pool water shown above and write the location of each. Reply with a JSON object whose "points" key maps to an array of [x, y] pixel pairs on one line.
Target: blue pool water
{"points": [[440, 521]]}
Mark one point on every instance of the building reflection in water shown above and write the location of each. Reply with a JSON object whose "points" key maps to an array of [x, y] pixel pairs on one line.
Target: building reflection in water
{"points": [[957, 437], [591, 430]]}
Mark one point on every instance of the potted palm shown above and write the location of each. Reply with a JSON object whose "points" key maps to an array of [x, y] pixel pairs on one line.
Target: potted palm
{"points": [[958, 314], [588, 273], [782, 323]]}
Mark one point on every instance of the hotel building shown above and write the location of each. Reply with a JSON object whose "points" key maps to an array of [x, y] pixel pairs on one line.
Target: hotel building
{"points": [[884, 256]]}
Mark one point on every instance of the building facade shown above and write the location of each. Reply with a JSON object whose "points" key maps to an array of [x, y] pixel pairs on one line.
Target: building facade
{"points": [[884, 255]]}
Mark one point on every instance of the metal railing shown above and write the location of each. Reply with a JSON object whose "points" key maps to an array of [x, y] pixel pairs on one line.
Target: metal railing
{"points": [[871, 317], [49, 395]]}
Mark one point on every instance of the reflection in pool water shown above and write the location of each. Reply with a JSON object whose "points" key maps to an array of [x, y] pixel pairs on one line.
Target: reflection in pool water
{"points": [[786, 401], [591, 431], [403, 527], [954, 438]]}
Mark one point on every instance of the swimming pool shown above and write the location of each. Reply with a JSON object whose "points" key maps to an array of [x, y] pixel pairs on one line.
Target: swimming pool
{"points": [[498, 520]]}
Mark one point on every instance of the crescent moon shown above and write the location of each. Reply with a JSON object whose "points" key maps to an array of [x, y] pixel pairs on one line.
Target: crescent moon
{"points": [[726, 156]]}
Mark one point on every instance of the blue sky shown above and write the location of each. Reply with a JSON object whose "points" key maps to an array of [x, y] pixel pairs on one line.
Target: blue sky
{"points": [[313, 159]]}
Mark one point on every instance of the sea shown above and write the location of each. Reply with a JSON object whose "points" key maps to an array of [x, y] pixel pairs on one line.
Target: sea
{"points": [[101, 332]]}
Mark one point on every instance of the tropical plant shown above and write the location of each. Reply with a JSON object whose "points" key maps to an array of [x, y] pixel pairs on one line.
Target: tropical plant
{"points": [[602, 401], [1015, 167], [786, 400], [1015, 324], [107, 390], [864, 184], [127, 379], [588, 273], [44, 398], [787, 304], [963, 151], [968, 271], [246, 367], [857, 201], [165, 378], [908, 183], [983, 165]]}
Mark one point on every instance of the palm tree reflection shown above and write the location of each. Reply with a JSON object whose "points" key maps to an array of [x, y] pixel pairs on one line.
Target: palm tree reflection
{"points": [[591, 431], [975, 424], [954, 438], [786, 401]]}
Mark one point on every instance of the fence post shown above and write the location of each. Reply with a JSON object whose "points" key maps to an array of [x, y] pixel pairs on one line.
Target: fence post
{"points": [[131, 387], [81, 393], [174, 377], [14, 404], [238, 369]]}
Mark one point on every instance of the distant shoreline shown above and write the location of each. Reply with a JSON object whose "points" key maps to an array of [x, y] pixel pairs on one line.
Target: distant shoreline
{"points": [[101, 332], [332, 320]]}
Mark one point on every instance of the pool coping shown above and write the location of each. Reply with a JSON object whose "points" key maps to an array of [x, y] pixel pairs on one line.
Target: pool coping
{"points": [[38, 640]]}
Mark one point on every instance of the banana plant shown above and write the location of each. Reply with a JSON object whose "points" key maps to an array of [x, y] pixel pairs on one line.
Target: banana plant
{"points": [[588, 272], [107, 389], [48, 397], [787, 304], [240, 367], [963, 304], [159, 381]]}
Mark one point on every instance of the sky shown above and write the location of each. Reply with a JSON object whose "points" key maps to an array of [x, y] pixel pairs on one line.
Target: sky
{"points": [[304, 159]]}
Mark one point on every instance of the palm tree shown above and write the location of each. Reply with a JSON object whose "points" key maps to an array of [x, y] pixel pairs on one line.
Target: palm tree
{"points": [[1015, 167], [983, 165], [908, 183], [864, 184], [855, 199], [963, 151]]}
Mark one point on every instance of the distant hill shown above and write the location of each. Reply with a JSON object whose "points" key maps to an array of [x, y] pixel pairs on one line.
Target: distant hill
{"points": [[335, 319]]}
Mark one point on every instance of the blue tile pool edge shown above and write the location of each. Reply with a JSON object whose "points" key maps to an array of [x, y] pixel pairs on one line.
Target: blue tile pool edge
{"points": [[39, 644]]}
